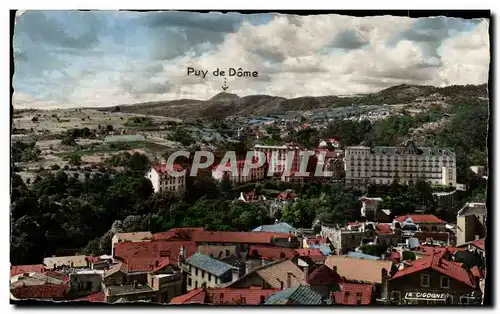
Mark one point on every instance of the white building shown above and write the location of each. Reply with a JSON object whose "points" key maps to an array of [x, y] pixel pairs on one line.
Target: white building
{"points": [[380, 165], [163, 182]]}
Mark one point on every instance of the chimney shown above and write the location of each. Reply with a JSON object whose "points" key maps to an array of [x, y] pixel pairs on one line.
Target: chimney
{"points": [[306, 274], [182, 256], [289, 280], [248, 267], [236, 274]]}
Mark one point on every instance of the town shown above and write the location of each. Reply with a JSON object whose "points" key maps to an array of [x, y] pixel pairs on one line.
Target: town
{"points": [[405, 258], [181, 158]]}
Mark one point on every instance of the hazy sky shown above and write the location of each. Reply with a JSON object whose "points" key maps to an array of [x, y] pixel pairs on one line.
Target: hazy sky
{"points": [[71, 58]]}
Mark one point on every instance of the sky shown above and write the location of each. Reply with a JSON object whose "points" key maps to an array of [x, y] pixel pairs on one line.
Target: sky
{"points": [[69, 59]]}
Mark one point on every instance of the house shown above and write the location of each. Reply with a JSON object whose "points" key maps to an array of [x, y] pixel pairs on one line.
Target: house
{"points": [[176, 234], [281, 227], [323, 280], [299, 295], [251, 197], [355, 294], [424, 222], [286, 198], [245, 172], [279, 275], [130, 237], [137, 281], [311, 256], [361, 270], [163, 179], [78, 261], [471, 222], [432, 280], [445, 200], [204, 270], [84, 282], [328, 142], [243, 240], [224, 296]]}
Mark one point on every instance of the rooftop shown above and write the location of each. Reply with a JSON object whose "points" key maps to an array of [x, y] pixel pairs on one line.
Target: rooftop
{"points": [[323, 275], [435, 261], [133, 236], [128, 289], [281, 227], [363, 270], [419, 218], [20, 269], [46, 291], [162, 168], [360, 255], [238, 237], [208, 264], [301, 295], [473, 209]]}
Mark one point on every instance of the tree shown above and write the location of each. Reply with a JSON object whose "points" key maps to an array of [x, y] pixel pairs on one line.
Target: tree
{"points": [[75, 159]]}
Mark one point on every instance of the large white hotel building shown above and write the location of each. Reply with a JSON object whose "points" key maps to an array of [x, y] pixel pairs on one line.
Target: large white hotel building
{"points": [[379, 165]]}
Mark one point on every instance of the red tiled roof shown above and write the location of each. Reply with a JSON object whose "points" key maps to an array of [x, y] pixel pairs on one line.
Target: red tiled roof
{"points": [[420, 218], [46, 291], [20, 269], [273, 253], [309, 252], [142, 256], [250, 296], [382, 228], [238, 237], [350, 293], [94, 297], [162, 168], [176, 234], [323, 275], [196, 296], [162, 264], [439, 264]]}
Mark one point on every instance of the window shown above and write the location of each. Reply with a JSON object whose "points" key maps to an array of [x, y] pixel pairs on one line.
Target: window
{"points": [[464, 300], [196, 284], [396, 295], [202, 274], [196, 271], [424, 281], [189, 282], [445, 282], [227, 252], [209, 277]]}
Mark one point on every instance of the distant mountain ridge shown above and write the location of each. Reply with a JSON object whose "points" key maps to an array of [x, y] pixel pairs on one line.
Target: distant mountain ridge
{"points": [[226, 104]]}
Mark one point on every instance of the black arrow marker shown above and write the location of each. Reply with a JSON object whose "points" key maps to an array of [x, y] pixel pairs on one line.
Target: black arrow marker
{"points": [[225, 85]]}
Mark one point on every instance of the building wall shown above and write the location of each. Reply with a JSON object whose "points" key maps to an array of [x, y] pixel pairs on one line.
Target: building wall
{"points": [[166, 183], [197, 277], [83, 284], [468, 227], [412, 283], [364, 166]]}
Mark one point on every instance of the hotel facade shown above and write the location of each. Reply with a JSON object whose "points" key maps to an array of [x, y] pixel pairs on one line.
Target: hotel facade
{"points": [[380, 165]]}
